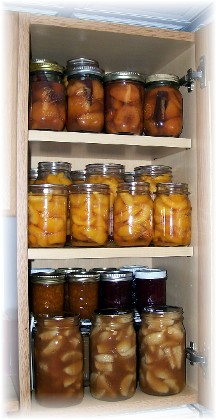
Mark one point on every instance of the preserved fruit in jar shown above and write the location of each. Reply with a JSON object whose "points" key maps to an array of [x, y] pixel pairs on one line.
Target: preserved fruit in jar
{"points": [[153, 174], [162, 351], [89, 214], [172, 215], [32, 175], [58, 361], [133, 215], [47, 215], [163, 108], [47, 96], [112, 356], [124, 95], [47, 293], [85, 96], [78, 177], [83, 293], [132, 269], [115, 290], [66, 271], [150, 287]]}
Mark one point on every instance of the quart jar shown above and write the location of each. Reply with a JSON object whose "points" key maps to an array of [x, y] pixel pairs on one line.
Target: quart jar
{"points": [[162, 351], [47, 96], [83, 293], [47, 215], [163, 106], [153, 174], [133, 215], [58, 361], [89, 214], [115, 290], [47, 293], [172, 215], [150, 287], [85, 96], [124, 95], [112, 356]]}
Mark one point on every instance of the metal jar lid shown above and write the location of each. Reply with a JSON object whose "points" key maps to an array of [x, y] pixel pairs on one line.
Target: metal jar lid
{"points": [[38, 64], [69, 270], [82, 61], [162, 78], [116, 276], [45, 278], [105, 168], [57, 189], [87, 277], [88, 188], [153, 170], [160, 310], [54, 166], [134, 187], [132, 268], [84, 71], [151, 274], [124, 75]]}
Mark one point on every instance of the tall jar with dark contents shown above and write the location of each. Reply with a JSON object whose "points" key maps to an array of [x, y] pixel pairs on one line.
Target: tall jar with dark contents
{"points": [[150, 287], [110, 174], [124, 95], [153, 174], [172, 215], [115, 290], [47, 96], [83, 289], [162, 351], [89, 214], [85, 96], [47, 293], [133, 215], [163, 106], [58, 361], [112, 356], [47, 215]]}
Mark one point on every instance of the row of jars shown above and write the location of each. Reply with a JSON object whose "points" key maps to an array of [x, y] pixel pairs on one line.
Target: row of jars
{"points": [[83, 292], [119, 358], [89, 100]]}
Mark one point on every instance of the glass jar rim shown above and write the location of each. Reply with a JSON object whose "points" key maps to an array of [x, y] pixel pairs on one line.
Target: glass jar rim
{"points": [[160, 310], [134, 186], [57, 189], [153, 169], [124, 75], [106, 168], [87, 277], [64, 166], [88, 188], [161, 78], [172, 188]]}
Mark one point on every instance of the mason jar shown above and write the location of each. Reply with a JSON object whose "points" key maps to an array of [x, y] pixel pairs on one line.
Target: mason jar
{"points": [[78, 177], [66, 271], [47, 293], [153, 174], [172, 215], [47, 215], [83, 289], [132, 269], [124, 96], [150, 287], [32, 175], [85, 96], [115, 290], [47, 96], [112, 356], [58, 361], [89, 214], [162, 351], [133, 215], [163, 106]]}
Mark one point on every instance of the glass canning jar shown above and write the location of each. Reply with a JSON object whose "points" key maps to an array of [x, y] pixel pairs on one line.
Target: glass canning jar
{"points": [[66, 271], [78, 177], [47, 293], [85, 96], [47, 215], [54, 173], [47, 96], [132, 269], [124, 95], [153, 174], [172, 215], [89, 214], [163, 106], [112, 356], [162, 351], [133, 215], [32, 175], [58, 361], [83, 293], [150, 287], [115, 290]]}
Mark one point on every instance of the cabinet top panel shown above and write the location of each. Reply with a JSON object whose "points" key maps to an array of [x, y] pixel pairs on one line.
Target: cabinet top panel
{"points": [[115, 46]]}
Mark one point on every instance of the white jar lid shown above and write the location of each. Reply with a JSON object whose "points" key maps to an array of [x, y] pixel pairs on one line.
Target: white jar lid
{"points": [[151, 274]]}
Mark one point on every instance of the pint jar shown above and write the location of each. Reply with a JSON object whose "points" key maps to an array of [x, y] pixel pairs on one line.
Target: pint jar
{"points": [[58, 361], [112, 356], [133, 215], [150, 287], [47, 215], [47, 293], [132, 269], [85, 96], [47, 96], [124, 95], [163, 106], [66, 271], [153, 174], [162, 351], [89, 214], [115, 290], [83, 293], [172, 215]]}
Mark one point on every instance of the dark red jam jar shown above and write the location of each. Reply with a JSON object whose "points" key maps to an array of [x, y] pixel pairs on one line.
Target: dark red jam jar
{"points": [[150, 287], [115, 290]]}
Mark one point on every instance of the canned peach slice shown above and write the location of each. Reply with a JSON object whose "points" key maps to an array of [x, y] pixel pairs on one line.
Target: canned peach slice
{"points": [[158, 385], [52, 224], [34, 216], [53, 346], [74, 368]]}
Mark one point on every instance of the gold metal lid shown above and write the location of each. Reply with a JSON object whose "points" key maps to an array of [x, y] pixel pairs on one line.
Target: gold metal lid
{"points": [[38, 64]]}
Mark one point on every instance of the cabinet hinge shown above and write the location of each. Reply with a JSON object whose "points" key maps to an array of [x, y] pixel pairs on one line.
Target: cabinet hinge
{"points": [[193, 356], [192, 75]]}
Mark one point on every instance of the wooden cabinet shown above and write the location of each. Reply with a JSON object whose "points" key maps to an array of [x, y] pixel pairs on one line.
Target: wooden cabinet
{"points": [[190, 269]]}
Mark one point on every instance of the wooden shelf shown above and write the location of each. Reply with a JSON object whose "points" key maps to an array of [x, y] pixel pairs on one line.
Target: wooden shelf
{"points": [[140, 402], [97, 253]]}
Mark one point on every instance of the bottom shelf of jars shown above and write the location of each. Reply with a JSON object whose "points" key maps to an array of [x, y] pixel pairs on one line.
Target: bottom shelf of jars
{"points": [[140, 402]]}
